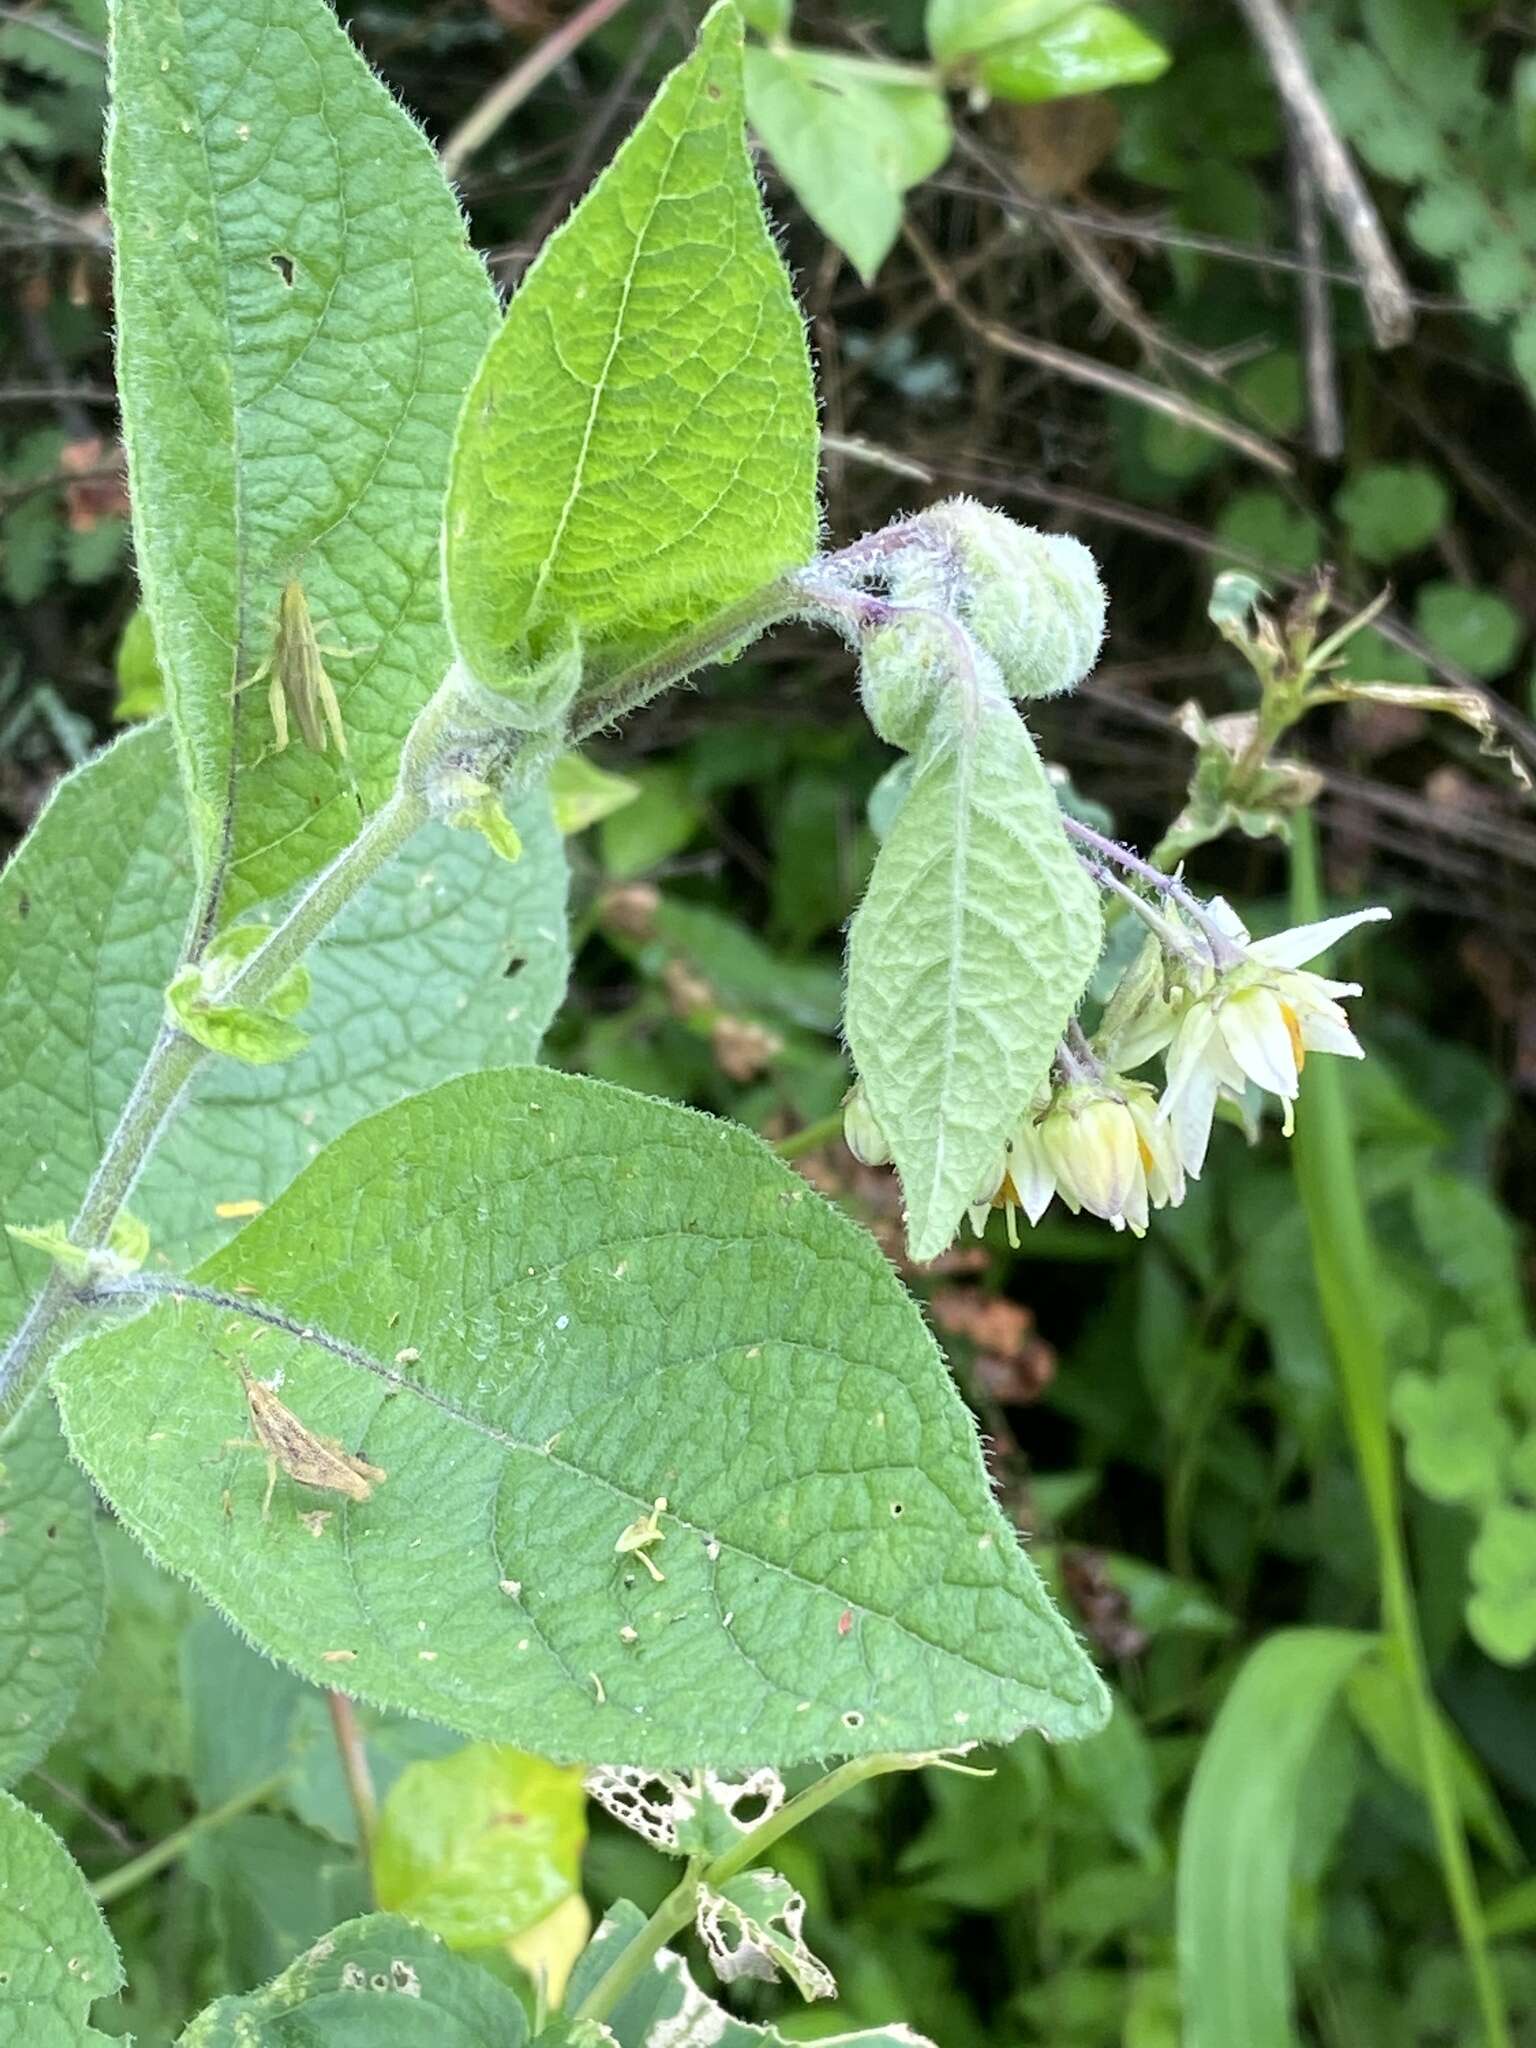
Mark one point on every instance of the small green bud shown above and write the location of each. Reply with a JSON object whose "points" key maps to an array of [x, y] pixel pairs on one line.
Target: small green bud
{"points": [[468, 803], [904, 668], [861, 1133], [1032, 600], [126, 1249]]}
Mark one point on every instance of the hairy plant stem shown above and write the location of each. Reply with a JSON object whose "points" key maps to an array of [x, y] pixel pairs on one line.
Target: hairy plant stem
{"points": [[174, 1846], [173, 1060], [678, 1907], [1347, 1266], [811, 1138], [726, 632], [1224, 952]]}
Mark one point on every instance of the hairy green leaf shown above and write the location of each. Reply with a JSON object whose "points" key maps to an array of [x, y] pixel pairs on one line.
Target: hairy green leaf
{"points": [[639, 449], [850, 140], [369, 1982], [667, 2007], [298, 318], [52, 1596], [449, 960], [966, 958], [56, 1956], [1240, 1833], [540, 1306]]}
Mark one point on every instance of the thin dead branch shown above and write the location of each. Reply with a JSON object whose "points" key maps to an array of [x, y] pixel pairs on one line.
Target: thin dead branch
{"points": [[1079, 369], [1388, 304]]}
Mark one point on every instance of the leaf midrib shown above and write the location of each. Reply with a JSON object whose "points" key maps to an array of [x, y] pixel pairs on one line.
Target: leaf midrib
{"points": [[599, 389], [390, 1376]]}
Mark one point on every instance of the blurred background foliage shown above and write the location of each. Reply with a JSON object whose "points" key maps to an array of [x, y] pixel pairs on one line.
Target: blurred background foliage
{"points": [[1074, 260]]}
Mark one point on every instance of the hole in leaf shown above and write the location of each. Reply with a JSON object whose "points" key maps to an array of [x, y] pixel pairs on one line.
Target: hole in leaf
{"points": [[283, 265], [898, 1509], [853, 1718], [748, 1811], [515, 965]]}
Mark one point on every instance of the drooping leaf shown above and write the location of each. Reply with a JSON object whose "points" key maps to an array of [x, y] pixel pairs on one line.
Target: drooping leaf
{"points": [[666, 2006], [639, 448], [850, 139], [450, 959], [965, 959], [372, 1981], [52, 1598], [539, 1307], [56, 1956], [1240, 1833], [480, 1845], [298, 317]]}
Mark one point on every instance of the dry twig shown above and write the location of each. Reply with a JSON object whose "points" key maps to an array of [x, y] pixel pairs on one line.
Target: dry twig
{"points": [[1087, 370], [1387, 300]]}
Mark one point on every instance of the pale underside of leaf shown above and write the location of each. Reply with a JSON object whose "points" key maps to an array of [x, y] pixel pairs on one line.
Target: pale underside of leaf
{"points": [[965, 962], [540, 1305]]}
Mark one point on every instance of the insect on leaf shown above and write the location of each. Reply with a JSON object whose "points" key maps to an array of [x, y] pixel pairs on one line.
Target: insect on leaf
{"points": [[308, 1458], [299, 681]]}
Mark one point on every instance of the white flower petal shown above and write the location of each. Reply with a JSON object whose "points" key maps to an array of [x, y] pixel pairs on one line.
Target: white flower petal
{"points": [[1254, 1029], [1305, 941], [1221, 914], [1321, 1032], [1187, 1053], [1192, 1118], [1030, 1173]]}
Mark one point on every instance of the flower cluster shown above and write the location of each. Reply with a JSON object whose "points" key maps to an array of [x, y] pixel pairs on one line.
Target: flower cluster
{"points": [[1224, 1011]]}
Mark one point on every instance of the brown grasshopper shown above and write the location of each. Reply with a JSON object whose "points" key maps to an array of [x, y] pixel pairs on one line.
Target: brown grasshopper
{"points": [[300, 683], [307, 1457]]}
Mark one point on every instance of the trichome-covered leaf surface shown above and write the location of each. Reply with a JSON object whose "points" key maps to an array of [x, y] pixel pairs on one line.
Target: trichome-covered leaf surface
{"points": [[298, 318], [542, 1307], [639, 449]]}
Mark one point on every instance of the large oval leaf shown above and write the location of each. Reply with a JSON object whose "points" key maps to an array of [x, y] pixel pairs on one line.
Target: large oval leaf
{"points": [[966, 958], [541, 1305]]}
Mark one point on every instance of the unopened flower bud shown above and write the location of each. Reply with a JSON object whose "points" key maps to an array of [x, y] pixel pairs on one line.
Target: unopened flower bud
{"points": [[1033, 601], [861, 1134], [1094, 1152]]}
